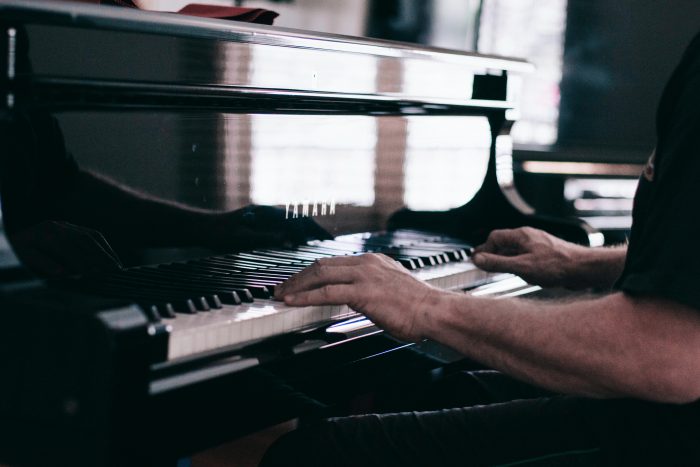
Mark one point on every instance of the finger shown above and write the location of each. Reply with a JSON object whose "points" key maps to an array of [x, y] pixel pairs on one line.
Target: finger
{"points": [[317, 276], [336, 294], [502, 240], [497, 263]]}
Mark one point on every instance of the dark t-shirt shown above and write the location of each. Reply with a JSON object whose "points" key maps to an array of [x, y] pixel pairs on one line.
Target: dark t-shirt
{"points": [[663, 257]]}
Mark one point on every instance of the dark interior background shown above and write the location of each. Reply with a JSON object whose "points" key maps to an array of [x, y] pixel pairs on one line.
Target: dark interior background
{"points": [[617, 57]]}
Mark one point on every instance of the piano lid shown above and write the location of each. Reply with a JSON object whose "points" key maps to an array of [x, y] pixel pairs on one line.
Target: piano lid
{"points": [[106, 45], [137, 137], [131, 20]]}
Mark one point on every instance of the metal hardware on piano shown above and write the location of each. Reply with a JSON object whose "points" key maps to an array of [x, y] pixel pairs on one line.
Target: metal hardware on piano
{"points": [[163, 174]]}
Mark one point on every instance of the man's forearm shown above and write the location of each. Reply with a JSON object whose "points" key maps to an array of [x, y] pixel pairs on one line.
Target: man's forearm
{"points": [[608, 347], [599, 267]]}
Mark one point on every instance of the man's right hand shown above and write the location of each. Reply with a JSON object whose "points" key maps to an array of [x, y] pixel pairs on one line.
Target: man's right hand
{"points": [[536, 256]]}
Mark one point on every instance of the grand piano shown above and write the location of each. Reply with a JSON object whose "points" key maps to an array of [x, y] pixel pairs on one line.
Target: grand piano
{"points": [[161, 174]]}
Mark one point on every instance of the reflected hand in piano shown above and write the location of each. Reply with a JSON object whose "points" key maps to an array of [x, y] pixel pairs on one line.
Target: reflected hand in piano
{"points": [[130, 219]]}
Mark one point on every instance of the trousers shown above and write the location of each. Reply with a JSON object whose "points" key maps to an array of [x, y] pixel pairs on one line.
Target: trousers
{"points": [[475, 418]]}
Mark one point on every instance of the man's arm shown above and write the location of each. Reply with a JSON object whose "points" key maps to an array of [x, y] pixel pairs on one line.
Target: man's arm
{"points": [[614, 346], [545, 260], [609, 347]]}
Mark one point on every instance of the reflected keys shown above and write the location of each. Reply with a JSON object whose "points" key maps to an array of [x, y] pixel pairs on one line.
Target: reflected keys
{"points": [[223, 301]]}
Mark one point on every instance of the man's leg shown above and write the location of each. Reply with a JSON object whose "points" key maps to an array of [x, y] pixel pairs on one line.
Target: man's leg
{"points": [[512, 432], [514, 424]]}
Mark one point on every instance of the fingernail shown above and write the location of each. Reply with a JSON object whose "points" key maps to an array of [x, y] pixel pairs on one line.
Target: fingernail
{"points": [[289, 298]]}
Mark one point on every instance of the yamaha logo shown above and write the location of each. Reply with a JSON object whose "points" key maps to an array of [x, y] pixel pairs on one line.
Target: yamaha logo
{"points": [[295, 209]]}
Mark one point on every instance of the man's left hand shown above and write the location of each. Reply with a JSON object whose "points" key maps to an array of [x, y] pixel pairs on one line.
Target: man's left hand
{"points": [[372, 284]]}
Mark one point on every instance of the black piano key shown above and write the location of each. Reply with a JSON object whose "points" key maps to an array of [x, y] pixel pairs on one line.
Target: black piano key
{"points": [[214, 264], [291, 269], [332, 248], [341, 250], [408, 263], [201, 301], [231, 292], [453, 252], [215, 302], [166, 310], [444, 243], [238, 262], [183, 306], [151, 312], [277, 261], [219, 267], [325, 252], [290, 254], [459, 253], [308, 258], [177, 304], [171, 279], [223, 265], [265, 263], [231, 298], [281, 275], [208, 266], [254, 288], [262, 281], [428, 257], [196, 271], [162, 310]]}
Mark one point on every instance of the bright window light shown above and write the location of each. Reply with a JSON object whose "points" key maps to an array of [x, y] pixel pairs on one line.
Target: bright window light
{"points": [[446, 161]]}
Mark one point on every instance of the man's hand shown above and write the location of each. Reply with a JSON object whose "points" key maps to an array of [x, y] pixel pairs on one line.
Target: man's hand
{"points": [[372, 284], [545, 260], [534, 255]]}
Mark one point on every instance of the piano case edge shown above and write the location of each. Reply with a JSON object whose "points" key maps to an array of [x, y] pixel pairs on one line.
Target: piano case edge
{"points": [[69, 400]]}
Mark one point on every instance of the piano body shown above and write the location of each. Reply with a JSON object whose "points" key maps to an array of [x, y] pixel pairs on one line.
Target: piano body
{"points": [[131, 142]]}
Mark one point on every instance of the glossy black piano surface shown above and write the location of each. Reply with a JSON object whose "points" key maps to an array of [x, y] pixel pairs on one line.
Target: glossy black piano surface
{"points": [[163, 174]]}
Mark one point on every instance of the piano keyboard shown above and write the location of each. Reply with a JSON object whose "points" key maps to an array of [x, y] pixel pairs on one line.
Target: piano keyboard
{"points": [[225, 301]]}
